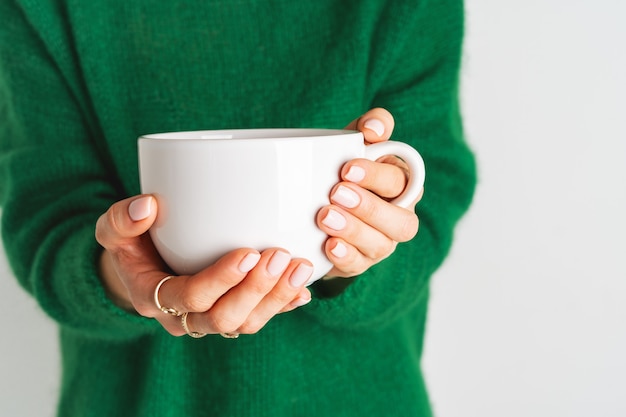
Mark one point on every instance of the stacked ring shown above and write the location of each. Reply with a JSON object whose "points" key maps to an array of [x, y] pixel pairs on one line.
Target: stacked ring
{"points": [[183, 316], [166, 310], [195, 335]]}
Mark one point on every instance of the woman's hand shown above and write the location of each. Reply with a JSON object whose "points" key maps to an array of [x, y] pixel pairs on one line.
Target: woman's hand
{"points": [[364, 228], [240, 293]]}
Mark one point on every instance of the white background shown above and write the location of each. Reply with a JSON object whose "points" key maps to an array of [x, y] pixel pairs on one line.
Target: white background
{"points": [[528, 315]]}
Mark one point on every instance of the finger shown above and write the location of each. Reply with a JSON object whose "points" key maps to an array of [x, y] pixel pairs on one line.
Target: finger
{"points": [[372, 243], [386, 179], [288, 293], [199, 292], [302, 299], [376, 125], [172, 324], [396, 223], [126, 220], [231, 311], [347, 260]]}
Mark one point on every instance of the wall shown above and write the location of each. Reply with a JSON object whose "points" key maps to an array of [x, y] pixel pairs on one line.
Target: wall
{"points": [[29, 355], [528, 313]]}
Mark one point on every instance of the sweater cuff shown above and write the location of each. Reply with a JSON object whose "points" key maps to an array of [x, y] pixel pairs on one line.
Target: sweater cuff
{"points": [[75, 297], [378, 298]]}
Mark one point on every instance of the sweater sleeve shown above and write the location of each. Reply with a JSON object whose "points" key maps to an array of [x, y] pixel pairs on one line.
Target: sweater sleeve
{"points": [[55, 179], [420, 88]]}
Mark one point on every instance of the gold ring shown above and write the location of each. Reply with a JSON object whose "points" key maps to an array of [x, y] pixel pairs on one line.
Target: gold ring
{"points": [[195, 335], [166, 310], [230, 335]]}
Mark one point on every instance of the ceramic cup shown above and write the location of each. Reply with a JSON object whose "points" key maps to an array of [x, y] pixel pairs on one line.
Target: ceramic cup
{"points": [[222, 190]]}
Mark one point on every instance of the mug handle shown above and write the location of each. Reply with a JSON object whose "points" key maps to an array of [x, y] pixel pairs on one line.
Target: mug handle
{"points": [[417, 172]]}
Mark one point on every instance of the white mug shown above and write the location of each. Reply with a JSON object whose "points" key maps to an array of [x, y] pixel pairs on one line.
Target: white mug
{"points": [[259, 188]]}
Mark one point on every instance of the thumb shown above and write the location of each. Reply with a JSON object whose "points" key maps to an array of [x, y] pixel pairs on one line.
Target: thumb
{"points": [[125, 220]]}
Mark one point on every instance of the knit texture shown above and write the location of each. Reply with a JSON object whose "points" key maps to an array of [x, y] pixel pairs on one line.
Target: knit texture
{"points": [[81, 80]]}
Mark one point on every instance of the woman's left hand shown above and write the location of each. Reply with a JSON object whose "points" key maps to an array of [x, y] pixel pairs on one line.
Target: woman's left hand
{"points": [[364, 228]]}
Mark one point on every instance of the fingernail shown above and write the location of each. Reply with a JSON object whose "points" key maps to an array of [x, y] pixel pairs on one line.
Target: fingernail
{"points": [[355, 174], [278, 263], [301, 275], [301, 301], [140, 208], [346, 197], [334, 220], [249, 262], [339, 250], [375, 125]]}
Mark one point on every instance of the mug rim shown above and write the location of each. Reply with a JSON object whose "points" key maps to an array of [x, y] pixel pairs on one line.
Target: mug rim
{"points": [[249, 134]]}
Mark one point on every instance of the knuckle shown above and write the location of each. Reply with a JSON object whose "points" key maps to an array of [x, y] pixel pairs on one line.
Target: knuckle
{"points": [[193, 297], [351, 265], [398, 182], [192, 303], [382, 250], [220, 323], [173, 326], [142, 311], [143, 307], [108, 228], [226, 280], [281, 295], [111, 221], [260, 288], [251, 327], [369, 210], [409, 228]]}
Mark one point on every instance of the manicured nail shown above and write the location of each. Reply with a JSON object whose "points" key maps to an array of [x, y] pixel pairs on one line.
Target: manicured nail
{"points": [[334, 220], [249, 262], [301, 275], [375, 125], [355, 174], [140, 208], [278, 263], [346, 197], [301, 301], [339, 251]]}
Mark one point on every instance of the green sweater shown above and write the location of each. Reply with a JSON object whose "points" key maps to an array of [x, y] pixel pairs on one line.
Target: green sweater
{"points": [[81, 80]]}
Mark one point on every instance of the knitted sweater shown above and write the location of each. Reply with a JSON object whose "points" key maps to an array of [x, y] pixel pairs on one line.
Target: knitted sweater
{"points": [[81, 80]]}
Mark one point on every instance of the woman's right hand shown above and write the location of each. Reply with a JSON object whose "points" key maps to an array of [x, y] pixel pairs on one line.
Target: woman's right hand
{"points": [[239, 293]]}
